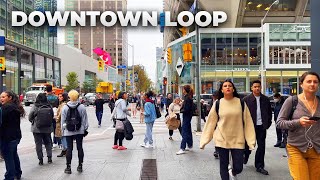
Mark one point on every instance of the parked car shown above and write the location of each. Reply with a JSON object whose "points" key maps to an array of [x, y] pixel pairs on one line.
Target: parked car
{"points": [[89, 98]]}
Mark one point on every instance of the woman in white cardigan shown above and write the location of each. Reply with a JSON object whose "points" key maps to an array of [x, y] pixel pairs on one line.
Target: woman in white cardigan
{"points": [[174, 109]]}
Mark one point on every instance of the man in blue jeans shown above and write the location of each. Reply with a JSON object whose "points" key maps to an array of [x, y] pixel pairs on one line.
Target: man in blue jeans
{"points": [[99, 108]]}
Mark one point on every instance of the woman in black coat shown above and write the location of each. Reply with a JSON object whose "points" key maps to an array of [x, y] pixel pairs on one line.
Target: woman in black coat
{"points": [[187, 110], [10, 133]]}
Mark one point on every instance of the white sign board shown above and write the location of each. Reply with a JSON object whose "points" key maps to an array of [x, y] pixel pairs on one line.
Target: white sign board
{"points": [[179, 66]]}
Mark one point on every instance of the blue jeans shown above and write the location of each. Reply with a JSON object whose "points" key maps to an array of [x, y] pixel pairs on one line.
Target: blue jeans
{"points": [[99, 116], [11, 158], [64, 142], [186, 133], [148, 135]]}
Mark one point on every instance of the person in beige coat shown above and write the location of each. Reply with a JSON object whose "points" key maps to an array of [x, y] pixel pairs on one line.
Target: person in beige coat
{"points": [[230, 128], [63, 99]]}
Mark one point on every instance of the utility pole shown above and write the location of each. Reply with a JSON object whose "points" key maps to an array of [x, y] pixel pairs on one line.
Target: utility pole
{"points": [[197, 71]]}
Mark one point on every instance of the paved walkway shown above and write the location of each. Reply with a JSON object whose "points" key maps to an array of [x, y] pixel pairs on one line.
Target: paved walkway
{"points": [[103, 163]]}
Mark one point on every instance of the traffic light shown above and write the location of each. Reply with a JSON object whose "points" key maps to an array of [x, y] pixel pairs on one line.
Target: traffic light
{"points": [[169, 57], [2, 63], [128, 82], [100, 65], [187, 52], [165, 81]]}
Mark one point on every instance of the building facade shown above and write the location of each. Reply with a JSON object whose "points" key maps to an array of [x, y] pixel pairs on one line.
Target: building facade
{"points": [[159, 69], [235, 53], [112, 39], [31, 53]]}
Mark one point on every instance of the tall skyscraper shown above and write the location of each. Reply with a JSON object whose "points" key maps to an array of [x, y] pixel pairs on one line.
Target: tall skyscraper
{"points": [[112, 39]]}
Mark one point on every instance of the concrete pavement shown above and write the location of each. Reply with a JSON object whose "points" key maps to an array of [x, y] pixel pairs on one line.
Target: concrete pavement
{"points": [[102, 162]]}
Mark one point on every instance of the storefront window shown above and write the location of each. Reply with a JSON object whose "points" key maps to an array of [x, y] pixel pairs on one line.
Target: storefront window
{"points": [[49, 68], [40, 71], [207, 49], [263, 5], [240, 49], [224, 49], [239, 80], [11, 78], [26, 70], [290, 83], [273, 82], [254, 55], [57, 73]]}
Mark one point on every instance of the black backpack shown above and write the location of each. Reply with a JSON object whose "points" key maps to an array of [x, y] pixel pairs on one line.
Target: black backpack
{"points": [[294, 106], [44, 116], [73, 120]]}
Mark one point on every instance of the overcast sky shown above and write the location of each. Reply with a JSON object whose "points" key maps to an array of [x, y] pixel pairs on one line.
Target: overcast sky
{"points": [[145, 40]]}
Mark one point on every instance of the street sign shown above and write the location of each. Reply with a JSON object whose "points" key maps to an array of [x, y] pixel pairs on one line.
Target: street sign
{"points": [[122, 67], [179, 66], [2, 40]]}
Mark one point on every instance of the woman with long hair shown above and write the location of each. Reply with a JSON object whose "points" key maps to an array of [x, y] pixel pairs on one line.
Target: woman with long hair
{"points": [[187, 111], [230, 129], [10, 133], [149, 118], [302, 123], [63, 99], [174, 109], [120, 113], [42, 134]]}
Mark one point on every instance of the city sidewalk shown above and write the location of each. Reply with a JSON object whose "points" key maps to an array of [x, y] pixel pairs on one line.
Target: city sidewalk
{"points": [[102, 162]]}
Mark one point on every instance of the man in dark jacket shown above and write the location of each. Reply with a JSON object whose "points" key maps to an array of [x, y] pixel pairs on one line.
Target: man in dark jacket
{"points": [[98, 103], [281, 134], [168, 102], [261, 113]]}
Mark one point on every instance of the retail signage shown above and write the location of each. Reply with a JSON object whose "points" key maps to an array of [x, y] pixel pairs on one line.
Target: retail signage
{"points": [[2, 40], [240, 69], [179, 66], [122, 67]]}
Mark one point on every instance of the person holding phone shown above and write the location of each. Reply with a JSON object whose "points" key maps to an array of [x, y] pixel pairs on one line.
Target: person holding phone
{"points": [[303, 141]]}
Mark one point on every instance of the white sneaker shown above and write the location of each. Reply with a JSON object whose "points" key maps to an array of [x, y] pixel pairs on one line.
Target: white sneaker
{"points": [[143, 145], [55, 145], [180, 152], [188, 149], [150, 145], [232, 177]]}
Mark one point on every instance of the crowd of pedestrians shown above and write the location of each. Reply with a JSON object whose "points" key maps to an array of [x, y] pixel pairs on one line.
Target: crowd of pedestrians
{"points": [[236, 125]]}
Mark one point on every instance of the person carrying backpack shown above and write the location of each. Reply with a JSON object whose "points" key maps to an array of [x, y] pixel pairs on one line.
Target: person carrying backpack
{"points": [[229, 129], [300, 116], [54, 102], [74, 123], [41, 117]]}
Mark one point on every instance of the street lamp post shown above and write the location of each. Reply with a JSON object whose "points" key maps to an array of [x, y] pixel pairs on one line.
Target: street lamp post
{"points": [[132, 66], [262, 47]]}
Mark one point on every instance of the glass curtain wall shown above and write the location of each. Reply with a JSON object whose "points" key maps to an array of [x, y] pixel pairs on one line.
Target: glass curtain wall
{"points": [[11, 78], [40, 69], [26, 70], [57, 73]]}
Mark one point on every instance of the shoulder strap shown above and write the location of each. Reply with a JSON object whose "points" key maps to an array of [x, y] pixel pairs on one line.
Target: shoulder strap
{"points": [[242, 106], [217, 108], [294, 105]]}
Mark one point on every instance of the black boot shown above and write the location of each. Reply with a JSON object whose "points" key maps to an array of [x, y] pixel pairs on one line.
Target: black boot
{"points": [[40, 162], [79, 169], [283, 145], [63, 153], [68, 169], [49, 160], [277, 144]]}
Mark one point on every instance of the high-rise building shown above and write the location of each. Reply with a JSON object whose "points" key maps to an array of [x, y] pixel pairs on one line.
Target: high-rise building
{"points": [[30, 52], [112, 39]]}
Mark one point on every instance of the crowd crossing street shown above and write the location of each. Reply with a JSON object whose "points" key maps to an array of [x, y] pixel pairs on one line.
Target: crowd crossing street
{"points": [[101, 162]]}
